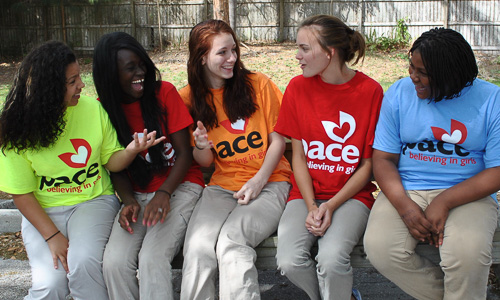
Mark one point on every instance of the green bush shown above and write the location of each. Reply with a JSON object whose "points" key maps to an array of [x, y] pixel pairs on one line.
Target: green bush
{"points": [[398, 38]]}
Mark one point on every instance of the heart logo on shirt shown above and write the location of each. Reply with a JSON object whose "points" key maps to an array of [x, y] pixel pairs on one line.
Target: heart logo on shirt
{"points": [[457, 136], [81, 157], [238, 127], [343, 132]]}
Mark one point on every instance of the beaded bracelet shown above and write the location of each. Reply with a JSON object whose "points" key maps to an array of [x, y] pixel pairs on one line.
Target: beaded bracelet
{"points": [[52, 236], [166, 192]]}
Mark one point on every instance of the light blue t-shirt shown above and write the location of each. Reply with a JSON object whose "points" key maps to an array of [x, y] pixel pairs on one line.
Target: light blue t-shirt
{"points": [[440, 144]]}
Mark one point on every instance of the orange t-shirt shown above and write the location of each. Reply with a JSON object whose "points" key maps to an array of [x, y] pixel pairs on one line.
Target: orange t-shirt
{"points": [[240, 147]]}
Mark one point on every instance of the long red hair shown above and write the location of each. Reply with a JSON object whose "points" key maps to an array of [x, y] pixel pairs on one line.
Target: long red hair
{"points": [[238, 97]]}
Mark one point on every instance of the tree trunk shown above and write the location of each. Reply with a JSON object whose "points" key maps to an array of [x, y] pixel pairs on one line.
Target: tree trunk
{"points": [[221, 10]]}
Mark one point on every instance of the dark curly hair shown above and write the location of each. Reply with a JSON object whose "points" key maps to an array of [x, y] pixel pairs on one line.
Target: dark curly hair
{"points": [[448, 60], [106, 80], [238, 96], [33, 114]]}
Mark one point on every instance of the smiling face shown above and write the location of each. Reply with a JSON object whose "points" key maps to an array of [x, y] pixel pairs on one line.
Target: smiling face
{"points": [[419, 76], [131, 73], [74, 84], [219, 61], [312, 58]]}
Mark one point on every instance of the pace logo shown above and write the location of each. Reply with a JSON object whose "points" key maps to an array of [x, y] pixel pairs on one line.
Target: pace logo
{"points": [[341, 133], [457, 134], [337, 151], [80, 157], [237, 127]]}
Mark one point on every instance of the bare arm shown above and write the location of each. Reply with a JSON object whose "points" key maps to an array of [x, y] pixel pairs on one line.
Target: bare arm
{"points": [[183, 160], [387, 176], [131, 208], [477, 187], [58, 244], [253, 187], [202, 152], [121, 159]]}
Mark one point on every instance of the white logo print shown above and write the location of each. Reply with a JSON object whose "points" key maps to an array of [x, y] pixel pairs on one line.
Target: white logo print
{"points": [[239, 124], [331, 126], [81, 155]]}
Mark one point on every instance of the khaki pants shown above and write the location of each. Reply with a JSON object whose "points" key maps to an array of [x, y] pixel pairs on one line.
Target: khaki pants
{"points": [[87, 226], [149, 249], [465, 253], [332, 277], [223, 233]]}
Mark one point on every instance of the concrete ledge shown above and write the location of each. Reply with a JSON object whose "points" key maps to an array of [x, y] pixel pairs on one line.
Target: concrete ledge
{"points": [[10, 220]]}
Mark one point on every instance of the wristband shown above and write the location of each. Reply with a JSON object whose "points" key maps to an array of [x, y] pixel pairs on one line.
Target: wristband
{"points": [[166, 192], [52, 236], [198, 147]]}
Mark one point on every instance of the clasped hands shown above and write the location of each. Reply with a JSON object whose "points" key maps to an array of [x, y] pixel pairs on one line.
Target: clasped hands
{"points": [[428, 225]]}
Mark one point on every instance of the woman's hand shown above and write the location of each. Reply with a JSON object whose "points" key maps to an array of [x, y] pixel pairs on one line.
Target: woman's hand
{"points": [[157, 209], [416, 221], [319, 220], [437, 213], [250, 190], [58, 246], [144, 142], [201, 137], [129, 214]]}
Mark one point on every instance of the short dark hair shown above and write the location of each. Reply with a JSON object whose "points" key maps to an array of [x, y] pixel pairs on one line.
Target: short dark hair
{"points": [[448, 60]]}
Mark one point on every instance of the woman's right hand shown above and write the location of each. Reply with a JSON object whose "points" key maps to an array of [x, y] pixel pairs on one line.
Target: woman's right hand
{"points": [[129, 214], [418, 225], [58, 246], [201, 137]]}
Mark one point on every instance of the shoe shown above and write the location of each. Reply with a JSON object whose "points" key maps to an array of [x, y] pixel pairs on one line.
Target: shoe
{"points": [[356, 294]]}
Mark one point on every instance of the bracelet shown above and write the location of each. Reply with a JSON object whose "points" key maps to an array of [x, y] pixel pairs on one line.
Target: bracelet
{"points": [[198, 147], [52, 236], [166, 192]]}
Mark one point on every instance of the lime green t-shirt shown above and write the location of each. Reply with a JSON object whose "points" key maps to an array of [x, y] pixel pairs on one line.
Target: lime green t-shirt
{"points": [[71, 170]]}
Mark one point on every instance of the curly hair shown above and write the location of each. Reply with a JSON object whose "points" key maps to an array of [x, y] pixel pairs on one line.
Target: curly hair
{"points": [[332, 32], [238, 96], [448, 60], [106, 80], [33, 114]]}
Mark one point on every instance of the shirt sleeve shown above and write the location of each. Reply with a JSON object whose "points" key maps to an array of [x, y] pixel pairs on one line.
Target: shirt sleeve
{"points": [[377, 96], [387, 133], [17, 176], [178, 116], [492, 150], [110, 143], [288, 119], [271, 98]]}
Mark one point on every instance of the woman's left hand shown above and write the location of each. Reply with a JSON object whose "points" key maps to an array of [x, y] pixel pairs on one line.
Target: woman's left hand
{"points": [[156, 210], [437, 214], [144, 142], [249, 190]]}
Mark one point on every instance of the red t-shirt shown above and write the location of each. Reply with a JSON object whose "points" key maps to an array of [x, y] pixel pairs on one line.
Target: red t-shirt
{"points": [[336, 124], [178, 118]]}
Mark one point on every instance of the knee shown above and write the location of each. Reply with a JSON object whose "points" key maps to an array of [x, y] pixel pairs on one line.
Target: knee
{"points": [[49, 285], [334, 261], [228, 249], [380, 254], [84, 260], [470, 259], [289, 261]]}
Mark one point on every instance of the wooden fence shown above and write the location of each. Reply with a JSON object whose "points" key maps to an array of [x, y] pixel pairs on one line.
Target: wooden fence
{"points": [[81, 24]]}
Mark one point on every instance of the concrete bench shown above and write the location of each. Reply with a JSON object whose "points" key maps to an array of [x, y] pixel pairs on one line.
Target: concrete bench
{"points": [[266, 251]]}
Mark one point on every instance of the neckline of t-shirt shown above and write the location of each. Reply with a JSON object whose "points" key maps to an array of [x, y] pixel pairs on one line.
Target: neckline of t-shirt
{"points": [[341, 86]]}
